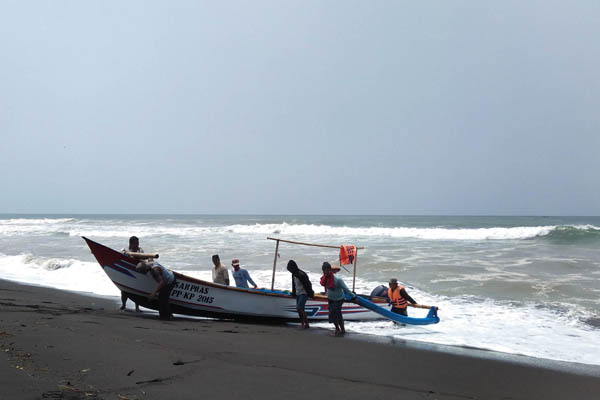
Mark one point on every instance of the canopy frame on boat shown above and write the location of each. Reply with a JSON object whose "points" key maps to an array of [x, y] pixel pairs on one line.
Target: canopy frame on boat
{"points": [[309, 244]]}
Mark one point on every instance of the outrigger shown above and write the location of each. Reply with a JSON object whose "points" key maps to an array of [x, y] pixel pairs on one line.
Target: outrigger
{"points": [[192, 296]]}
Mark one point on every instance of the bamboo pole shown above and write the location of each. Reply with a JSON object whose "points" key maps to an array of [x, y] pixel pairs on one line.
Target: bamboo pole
{"points": [[408, 304], [421, 306], [140, 255], [308, 244], [275, 264], [354, 275]]}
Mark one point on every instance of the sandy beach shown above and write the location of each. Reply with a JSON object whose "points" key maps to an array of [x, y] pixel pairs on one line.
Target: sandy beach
{"points": [[58, 344]]}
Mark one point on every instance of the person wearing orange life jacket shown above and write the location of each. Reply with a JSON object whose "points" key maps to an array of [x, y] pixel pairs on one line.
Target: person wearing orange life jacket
{"points": [[398, 297]]}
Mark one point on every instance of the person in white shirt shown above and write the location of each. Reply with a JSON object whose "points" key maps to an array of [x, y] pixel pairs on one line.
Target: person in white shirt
{"points": [[134, 247], [219, 272]]}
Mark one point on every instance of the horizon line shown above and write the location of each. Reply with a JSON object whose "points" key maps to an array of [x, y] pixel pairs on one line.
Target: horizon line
{"points": [[299, 214]]}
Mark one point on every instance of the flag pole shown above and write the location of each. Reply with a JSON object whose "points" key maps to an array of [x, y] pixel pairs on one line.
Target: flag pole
{"points": [[354, 276], [274, 265]]}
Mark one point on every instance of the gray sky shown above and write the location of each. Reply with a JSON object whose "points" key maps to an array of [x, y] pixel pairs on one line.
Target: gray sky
{"points": [[300, 107]]}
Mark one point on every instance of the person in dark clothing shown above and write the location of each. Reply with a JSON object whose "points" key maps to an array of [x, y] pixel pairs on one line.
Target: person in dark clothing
{"points": [[398, 297], [165, 282], [302, 290]]}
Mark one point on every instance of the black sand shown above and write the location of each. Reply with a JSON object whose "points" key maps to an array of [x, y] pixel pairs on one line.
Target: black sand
{"points": [[56, 344]]}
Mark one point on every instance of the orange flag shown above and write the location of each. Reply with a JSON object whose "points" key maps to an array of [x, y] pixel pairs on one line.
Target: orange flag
{"points": [[347, 254]]}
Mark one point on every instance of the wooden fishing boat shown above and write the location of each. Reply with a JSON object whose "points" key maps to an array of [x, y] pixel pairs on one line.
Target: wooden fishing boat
{"points": [[197, 297]]}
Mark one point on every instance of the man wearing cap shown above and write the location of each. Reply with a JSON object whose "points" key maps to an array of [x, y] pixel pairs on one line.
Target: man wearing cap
{"points": [[241, 276], [398, 297]]}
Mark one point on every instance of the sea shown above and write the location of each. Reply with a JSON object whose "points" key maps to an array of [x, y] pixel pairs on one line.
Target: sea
{"points": [[519, 285]]}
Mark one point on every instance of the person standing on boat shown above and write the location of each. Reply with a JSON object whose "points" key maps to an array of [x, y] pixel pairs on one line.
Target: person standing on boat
{"points": [[398, 297], [134, 247], [165, 282], [336, 290], [302, 290], [241, 276], [219, 272]]}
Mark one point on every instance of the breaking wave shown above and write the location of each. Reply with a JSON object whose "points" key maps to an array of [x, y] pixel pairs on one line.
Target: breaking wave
{"points": [[572, 234], [39, 263], [66, 274], [75, 228], [495, 233], [290, 230]]}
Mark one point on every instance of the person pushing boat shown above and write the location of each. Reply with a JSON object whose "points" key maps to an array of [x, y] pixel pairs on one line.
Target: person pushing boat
{"points": [[398, 297], [301, 290], [335, 289], [134, 247], [165, 282]]}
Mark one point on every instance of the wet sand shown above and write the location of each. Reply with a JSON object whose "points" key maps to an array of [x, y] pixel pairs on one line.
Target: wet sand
{"points": [[57, 344]]}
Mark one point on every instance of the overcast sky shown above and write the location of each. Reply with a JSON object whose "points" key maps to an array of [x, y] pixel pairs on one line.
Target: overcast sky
{"points": [[300, 107]]}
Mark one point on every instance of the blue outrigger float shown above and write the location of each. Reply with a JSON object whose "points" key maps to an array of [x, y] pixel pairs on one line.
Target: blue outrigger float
{"points": [[431, 318]]}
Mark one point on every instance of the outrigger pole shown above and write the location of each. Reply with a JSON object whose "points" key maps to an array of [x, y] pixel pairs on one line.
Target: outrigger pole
{"points": [[308, 244]]}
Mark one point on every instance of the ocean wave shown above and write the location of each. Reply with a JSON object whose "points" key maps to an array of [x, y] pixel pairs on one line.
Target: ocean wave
{"points": [[67, 273], [571, 234], [35, 221], [54, 264], [124, 229], [291, 230], [39, 226], [495, 233], [39, 263]]}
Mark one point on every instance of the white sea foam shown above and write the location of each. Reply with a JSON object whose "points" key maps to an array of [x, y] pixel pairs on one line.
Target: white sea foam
{"points": [[36, 221], [499, 326], [24, 226], [65, 274], [498, 233]]}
